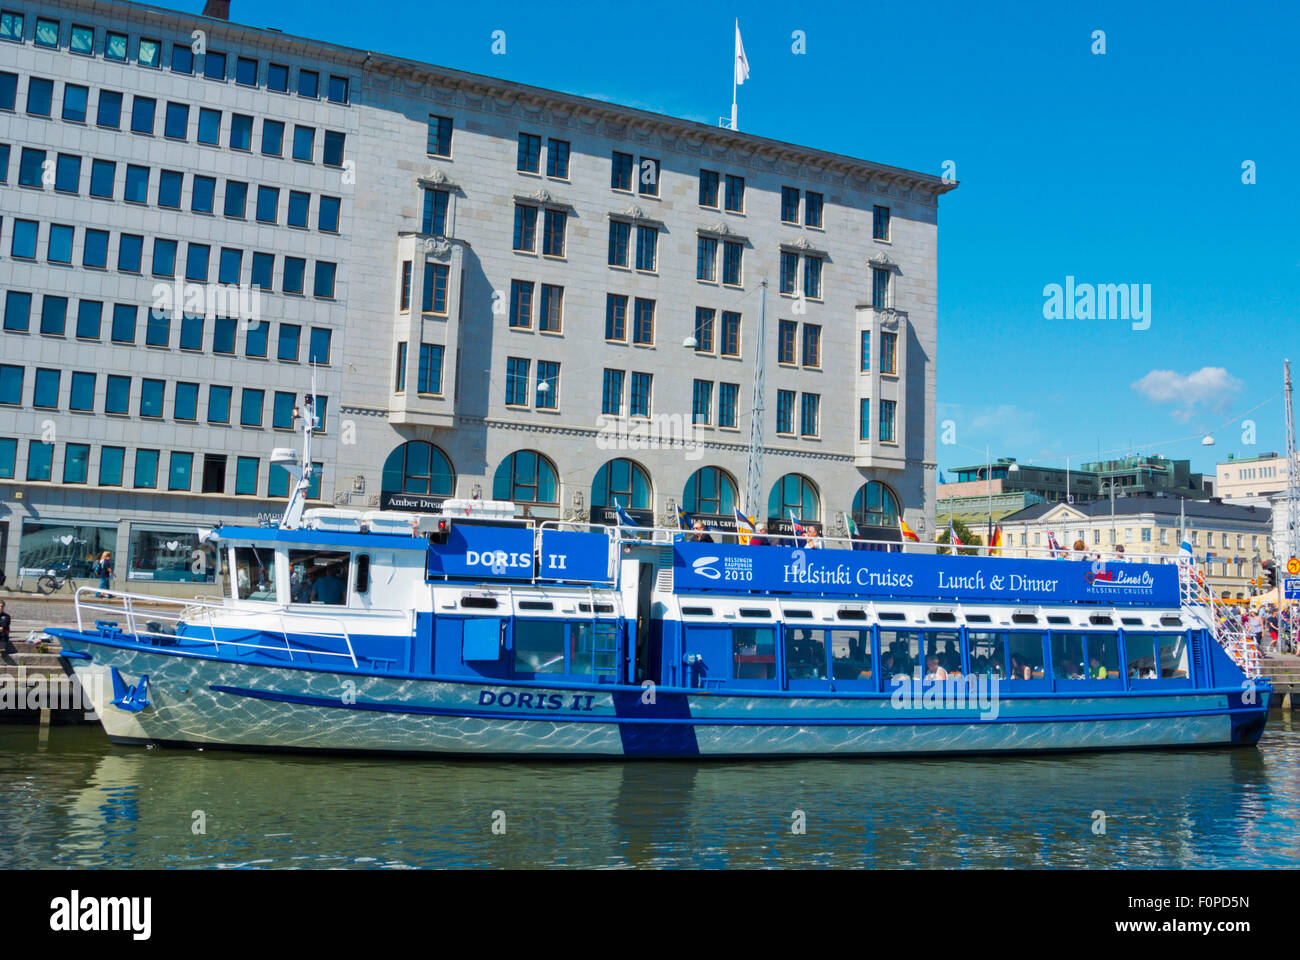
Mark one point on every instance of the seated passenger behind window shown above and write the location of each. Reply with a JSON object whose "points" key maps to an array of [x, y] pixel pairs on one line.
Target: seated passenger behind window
{"points": [[932, 669], [1019, 669], [302, 594], [949, 657], [328, 587], [1069, 670], [1095, 670]]}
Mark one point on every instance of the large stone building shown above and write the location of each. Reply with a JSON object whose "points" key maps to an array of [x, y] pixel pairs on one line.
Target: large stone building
{"points": [[1230, 541], [1241, 477], [496, 290], [1085, 481]]}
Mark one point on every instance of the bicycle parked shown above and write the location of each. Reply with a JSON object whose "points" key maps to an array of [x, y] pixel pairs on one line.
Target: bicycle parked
{"points": [[55, 578]]}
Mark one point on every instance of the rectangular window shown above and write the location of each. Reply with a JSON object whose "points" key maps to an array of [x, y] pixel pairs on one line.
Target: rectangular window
{"points": [[31, 167], [289, 339], [649, 177], [434, 220], [299, 207], [76, 459], [517, 381], [643, 322], [553, 233], [169, 188], [182, 59], [223, 335], [404, 293], [149, 53], [620, 176], [54, 315], [611, 394], [304, 142], [879, 288], [812, 345], [40, 460], [735, 194], [75, 100], [130, 252], [865, 352], [40, 96], [137, 184], [728, 393], [323, 281], [308, 84], [214, 66], [647, 247], [709, 188], [197, 257], [785, 340], [337, 91], [332, 148], [529, 156], [111, 460], [729, 334], [706, 259], [146, 469], [47, 32], [327, 217], [256, 339], [789, 205], [246, 71], [435, 288], [268, 204], [282, 411], [550, 318], [525, 228], [89, 315], [864, 418], [639, 401], [185, 402], [11, 26], [879, 223], [109, 112], [102, 175], [250, 407], [430, 370], [439, 143], [620, 234], [8, 90], [272, 138], [400, 382], [277, 77], [789, 271], [230, 265], [785, 411], [236, 199], [704, 329], [123, 323], [888, 352], [557, 159], [115, 46], [152, 396], [731, 263], [117, 395], [45, 392], [23, 245], [203, 195], [59, 248], [95, 251], [11, 385], [241, 132], [812, 278], [318, 351], [809, 412], [246, 476], [812, 209], [176, 121], [219, 403], [702, 401], [192, 332], [142, 114], [615, 317], [887, 408], [164, 257], [521, 304], [548, 385]]}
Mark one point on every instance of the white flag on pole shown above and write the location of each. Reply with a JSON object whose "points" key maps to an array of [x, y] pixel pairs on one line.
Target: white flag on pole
{"points": [[742, 64]]}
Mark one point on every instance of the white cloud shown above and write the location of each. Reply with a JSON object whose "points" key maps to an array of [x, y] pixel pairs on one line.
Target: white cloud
{"points": [[1210, 387]]}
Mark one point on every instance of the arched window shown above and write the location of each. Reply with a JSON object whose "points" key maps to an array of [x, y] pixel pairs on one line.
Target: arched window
{"points": [[527, 477], [875, 505], [624, 481], [710, 490], [794, 493], [420, 468]]}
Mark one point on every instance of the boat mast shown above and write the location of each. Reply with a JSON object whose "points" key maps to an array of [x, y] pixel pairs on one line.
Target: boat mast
{"points": [[299, 471]]}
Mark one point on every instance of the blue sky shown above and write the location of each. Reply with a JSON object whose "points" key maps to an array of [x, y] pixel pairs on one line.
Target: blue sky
{"points": [[1124, 167]]}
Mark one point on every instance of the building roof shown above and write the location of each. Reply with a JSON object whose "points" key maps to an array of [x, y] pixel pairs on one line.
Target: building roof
{"points": [[497, 93], [1152, 504]]}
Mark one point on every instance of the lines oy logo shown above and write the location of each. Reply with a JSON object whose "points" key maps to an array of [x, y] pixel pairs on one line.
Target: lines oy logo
{"points": [[704, 567]]}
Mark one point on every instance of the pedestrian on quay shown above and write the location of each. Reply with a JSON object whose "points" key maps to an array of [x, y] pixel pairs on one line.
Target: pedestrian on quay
{"points": [[6, 645], [104, 568]]}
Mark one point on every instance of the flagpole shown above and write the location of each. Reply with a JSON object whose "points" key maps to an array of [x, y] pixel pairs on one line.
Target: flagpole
{"points": [[733, 80]]}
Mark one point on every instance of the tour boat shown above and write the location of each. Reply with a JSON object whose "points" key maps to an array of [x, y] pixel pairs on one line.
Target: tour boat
{"points": [[471, 632]]}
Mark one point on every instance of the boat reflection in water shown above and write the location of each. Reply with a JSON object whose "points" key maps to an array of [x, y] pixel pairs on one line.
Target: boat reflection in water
{"points": [[105, 806]]}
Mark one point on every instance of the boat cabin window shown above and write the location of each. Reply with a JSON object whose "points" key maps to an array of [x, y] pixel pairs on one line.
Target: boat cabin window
{"points": [[900, 654], [593, 648], [805, 654], [850, 614], [891, 615], [318, 576], [758, 612], [753, 653], [942, 652], [1062, 620], [1170, 621], [851, 654], [1067, 656], [539, 646], [1103, 656], [600, 607], [1100, 619], [978, 618], [362, 584], [255, 573], [942, 616], [798, 614], [1024, 618], [697, 611], [1131, 621], [1141, 650], [1025, 653], [987, 654], [536, 605], [479, 603], [1172, 650]]}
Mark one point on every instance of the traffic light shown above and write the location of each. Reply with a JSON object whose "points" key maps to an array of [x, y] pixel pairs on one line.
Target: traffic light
{"points": [[1270, 570]]}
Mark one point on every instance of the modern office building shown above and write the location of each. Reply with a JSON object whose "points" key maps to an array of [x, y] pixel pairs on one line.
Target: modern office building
{"points": [[1239, 477], [1230, 541], [1084, 481], [494, 290]]}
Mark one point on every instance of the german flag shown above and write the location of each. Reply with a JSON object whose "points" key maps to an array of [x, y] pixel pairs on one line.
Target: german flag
{"points": [[906, 531], [995, 542]]}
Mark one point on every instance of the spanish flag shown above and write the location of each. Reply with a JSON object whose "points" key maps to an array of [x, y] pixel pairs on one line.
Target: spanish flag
{"points": [[995, 542], [906, 531]]}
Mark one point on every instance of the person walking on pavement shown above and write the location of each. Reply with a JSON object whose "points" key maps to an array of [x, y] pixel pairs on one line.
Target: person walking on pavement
{"points": [[6, 645], [104, 567]]}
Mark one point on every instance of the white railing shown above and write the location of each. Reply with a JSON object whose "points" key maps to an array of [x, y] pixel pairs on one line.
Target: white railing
{"points": [[200, 613]]}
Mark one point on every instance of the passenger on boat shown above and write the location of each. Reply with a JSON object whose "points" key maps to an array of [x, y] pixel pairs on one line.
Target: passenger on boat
{"points": [[1095, 670], [1069, 670], [1119, 553], [302, 593], [329, 587], [760, 540], [1019, 669], [1080, 550], [950, 658], [932, 669], [814, 541], [699, 534]]}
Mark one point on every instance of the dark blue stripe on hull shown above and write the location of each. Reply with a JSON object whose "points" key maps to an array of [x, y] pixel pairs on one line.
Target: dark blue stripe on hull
{"points": [[643, 736]]}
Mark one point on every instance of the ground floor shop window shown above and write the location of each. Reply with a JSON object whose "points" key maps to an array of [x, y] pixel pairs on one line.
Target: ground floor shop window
{"points": [[170, 555], [58, 544]]}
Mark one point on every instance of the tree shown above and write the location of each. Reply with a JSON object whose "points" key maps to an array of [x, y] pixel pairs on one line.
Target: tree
{"points": [[971, 542]]}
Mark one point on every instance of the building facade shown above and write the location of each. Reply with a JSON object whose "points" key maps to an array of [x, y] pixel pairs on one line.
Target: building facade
{"points": [[492, 290], [1261, 476], [1230, 541], [1086, 481]]}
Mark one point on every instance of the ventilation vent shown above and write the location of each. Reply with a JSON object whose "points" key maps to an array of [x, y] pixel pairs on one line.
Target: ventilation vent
{"points": [[1171, 621], [755, 612], [942, 616], [888, 615], [978, 618], [479, 603], [1131, 621], [1100, 618], [1024, 618], [798, 614], [697, 611], [1058, 620], [664, 580], [585, 607], [849, 614], [536, 605]]}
